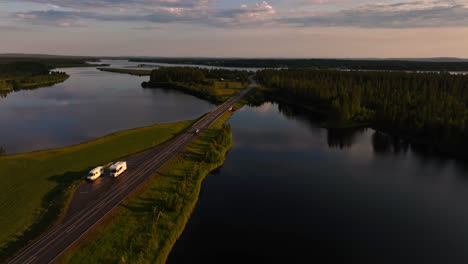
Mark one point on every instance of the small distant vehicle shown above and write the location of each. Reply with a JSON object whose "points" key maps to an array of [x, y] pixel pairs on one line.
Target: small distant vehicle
{"points": [[118, 168], [196, 131], [95, 173]]}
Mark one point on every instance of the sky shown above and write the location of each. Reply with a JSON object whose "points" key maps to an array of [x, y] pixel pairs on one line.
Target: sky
{"points": [[249, 28]]}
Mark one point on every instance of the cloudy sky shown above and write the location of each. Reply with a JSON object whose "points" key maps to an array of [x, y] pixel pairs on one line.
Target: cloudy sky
{"points": [[228, 28]]}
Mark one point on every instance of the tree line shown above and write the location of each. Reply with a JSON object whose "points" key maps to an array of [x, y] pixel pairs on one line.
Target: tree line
{"points": [[428, 106], [393, 65], [195, 75], [28, 64]]}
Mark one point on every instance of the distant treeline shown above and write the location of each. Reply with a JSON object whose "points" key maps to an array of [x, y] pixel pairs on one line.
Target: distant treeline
{"points": [[195, 75], [127, 71], [49, 63], [203, 83], [177, 74], [425, 106], [391, 65], [16, 68]]}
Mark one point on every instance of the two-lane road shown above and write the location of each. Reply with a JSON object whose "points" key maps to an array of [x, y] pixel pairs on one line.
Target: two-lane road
{"points": [[81, 219]]}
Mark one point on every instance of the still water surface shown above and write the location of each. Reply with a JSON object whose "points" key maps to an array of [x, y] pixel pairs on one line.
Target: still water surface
{"points": [[289, 192], [90, 104], [292, 192]]}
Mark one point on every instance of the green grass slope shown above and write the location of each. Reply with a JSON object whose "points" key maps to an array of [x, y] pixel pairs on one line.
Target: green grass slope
{"points": [[146, 226], [35, 187]]}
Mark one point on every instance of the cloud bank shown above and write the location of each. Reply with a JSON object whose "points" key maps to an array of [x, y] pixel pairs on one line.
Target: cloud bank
{"points": [[402, 14]]}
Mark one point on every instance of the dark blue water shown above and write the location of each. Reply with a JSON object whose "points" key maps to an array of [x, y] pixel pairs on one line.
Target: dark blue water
{"points": [[291, 192], [90, 104]]}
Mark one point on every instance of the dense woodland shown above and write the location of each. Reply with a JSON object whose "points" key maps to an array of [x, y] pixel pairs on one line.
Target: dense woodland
{"points": [[195, 75], [49, 62], [393, 65], [424, 106], [203, 83]]}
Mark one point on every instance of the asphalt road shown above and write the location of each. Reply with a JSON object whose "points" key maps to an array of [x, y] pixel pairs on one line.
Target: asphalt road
{"points": [[93, 201]]}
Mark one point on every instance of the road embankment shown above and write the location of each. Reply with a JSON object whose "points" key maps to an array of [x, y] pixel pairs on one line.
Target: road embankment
{"points": [[151, 220], [146, 226], [36, 187], [141, 168]]}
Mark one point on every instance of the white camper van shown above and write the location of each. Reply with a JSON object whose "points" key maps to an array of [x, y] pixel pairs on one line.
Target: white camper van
{"points": [[118, 168], [95, 173]]}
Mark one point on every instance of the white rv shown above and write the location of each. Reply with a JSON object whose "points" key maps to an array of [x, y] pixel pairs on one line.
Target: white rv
{"points": [[118, 168], [95, 173]]}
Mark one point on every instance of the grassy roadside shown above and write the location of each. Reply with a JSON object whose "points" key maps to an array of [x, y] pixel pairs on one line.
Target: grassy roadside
{"points": [[127, 71], [36, 187], [145, 227]]}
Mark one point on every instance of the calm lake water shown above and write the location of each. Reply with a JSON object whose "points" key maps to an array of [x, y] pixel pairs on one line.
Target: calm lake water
{"points": [[90, 104], [289, 192], [292, 192]]}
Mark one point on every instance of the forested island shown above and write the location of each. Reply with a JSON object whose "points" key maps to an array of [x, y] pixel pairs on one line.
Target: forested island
{"points": [[29, 73], [127, 71], [391, 65], [215, 85], [424, 107], [16, 76]]}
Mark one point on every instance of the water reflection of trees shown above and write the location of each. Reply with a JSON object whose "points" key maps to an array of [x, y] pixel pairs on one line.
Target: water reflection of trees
{"points": [[342, 138], [299, 113], [383, 144]]}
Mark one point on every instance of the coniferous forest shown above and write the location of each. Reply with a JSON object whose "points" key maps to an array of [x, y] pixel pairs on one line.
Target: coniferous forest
{"points": [[18, 75], [430, 107], [195, 75]]}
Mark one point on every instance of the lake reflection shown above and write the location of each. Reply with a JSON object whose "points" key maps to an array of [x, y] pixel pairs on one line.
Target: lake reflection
{"points": [[292, 192], [90, 104]]}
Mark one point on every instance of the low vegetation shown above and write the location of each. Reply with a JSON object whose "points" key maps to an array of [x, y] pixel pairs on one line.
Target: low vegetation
{"points": [[36, 187], [127, 71], [145, 227], [214, 85]]}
